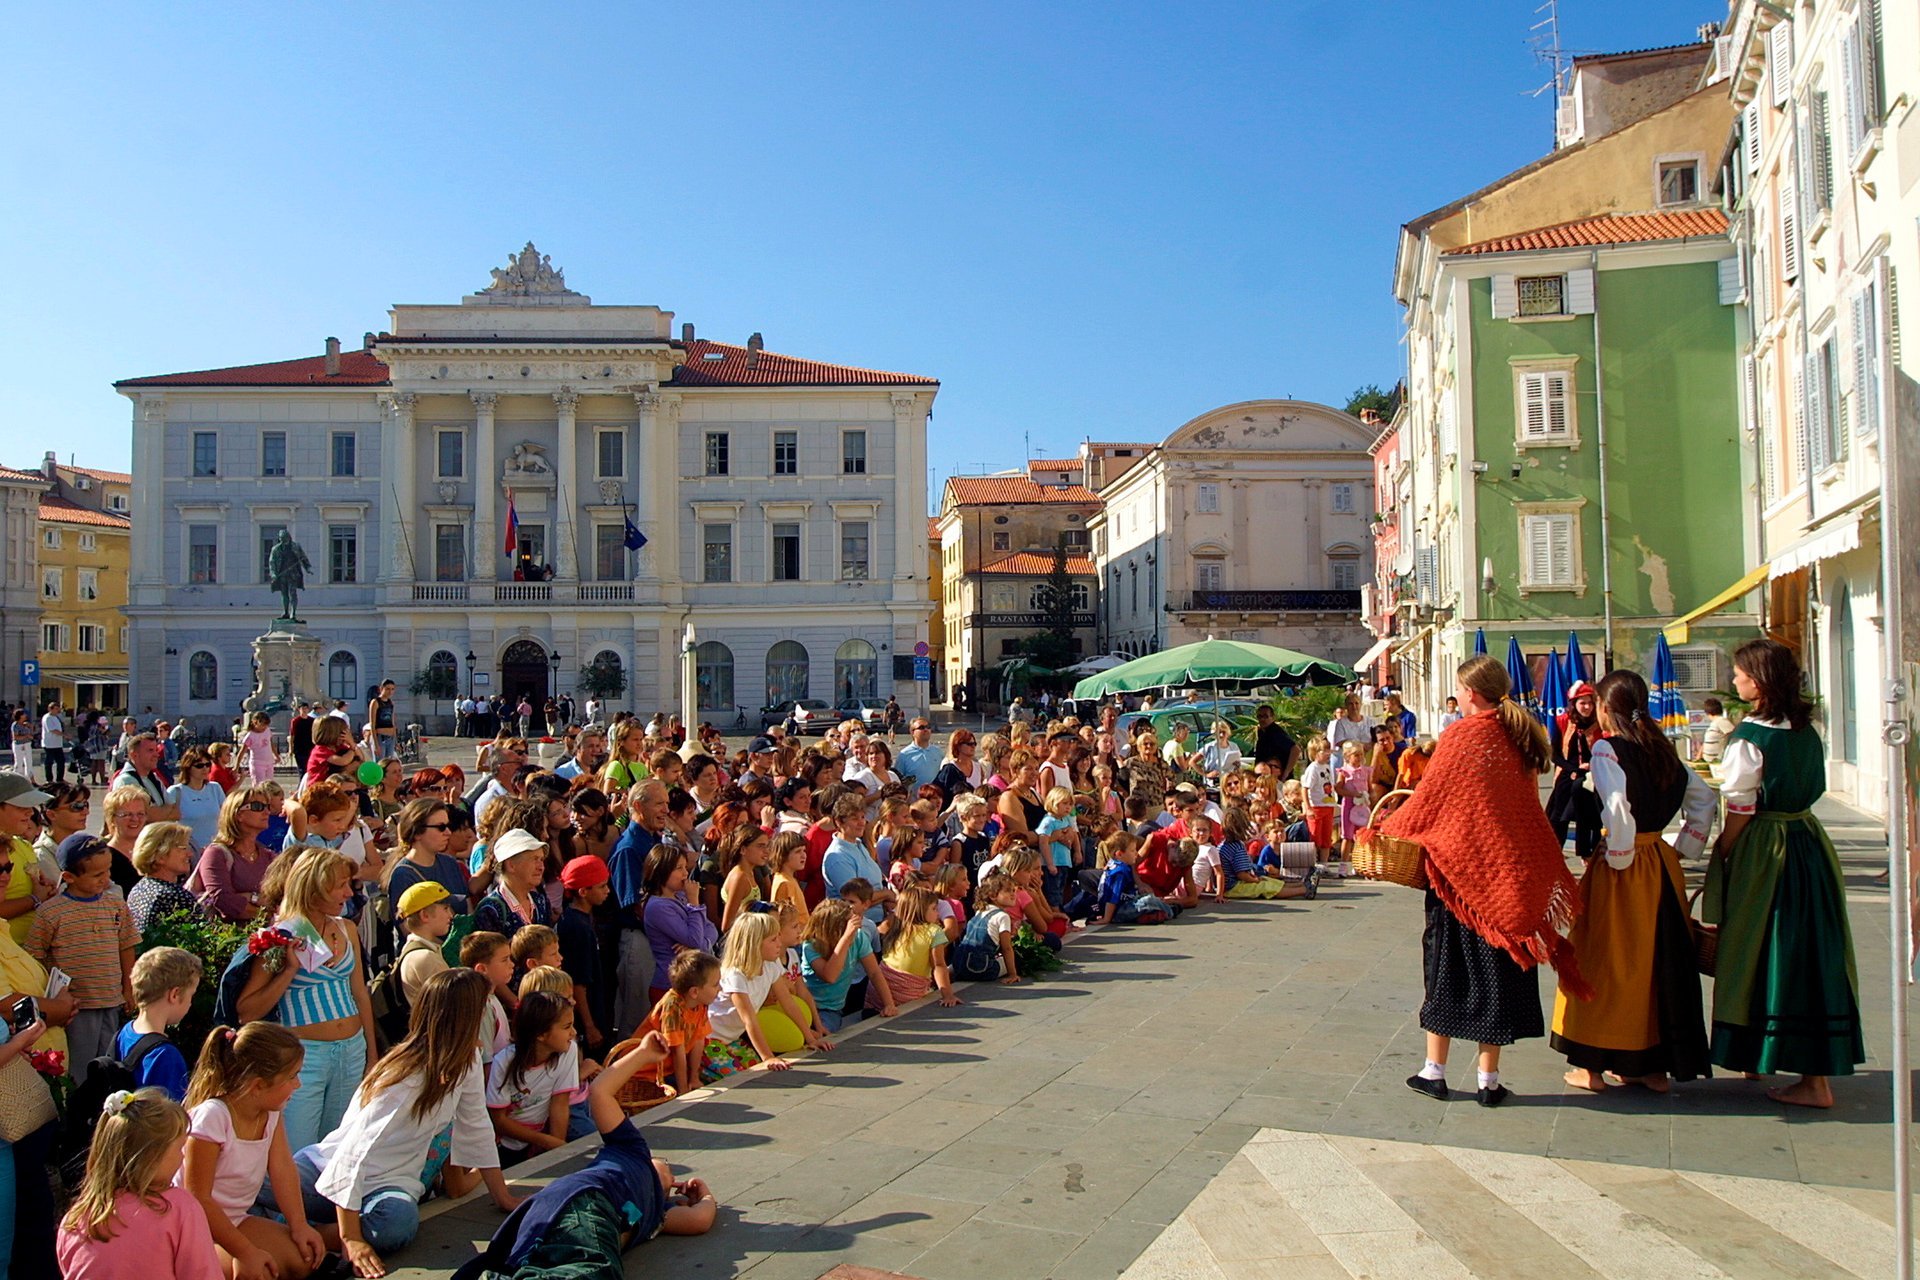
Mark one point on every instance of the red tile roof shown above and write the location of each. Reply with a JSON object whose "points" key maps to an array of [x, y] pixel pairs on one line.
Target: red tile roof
{"points": [[357, 369], [933, 528], [721, 364], [111, 477], [1053, 464], [16, 475], [708, 364], [977, 491], [1038, 564], [61, 511], [1610, 228]]}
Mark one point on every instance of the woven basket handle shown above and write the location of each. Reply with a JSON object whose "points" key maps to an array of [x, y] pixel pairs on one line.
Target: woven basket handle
{"points": [[1385, 806], [658, 1070]]}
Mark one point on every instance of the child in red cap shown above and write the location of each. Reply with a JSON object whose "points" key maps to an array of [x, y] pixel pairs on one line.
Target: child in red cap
{"points": [[584, 881]]}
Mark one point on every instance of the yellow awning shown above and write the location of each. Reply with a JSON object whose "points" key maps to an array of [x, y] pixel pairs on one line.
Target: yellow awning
{"points": [[1680, 629]]}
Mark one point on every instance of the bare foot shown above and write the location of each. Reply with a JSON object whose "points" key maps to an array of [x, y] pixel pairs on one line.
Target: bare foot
{"points": [[1751, 1075], [1655, 1083], [1809, 1092], [1591, 1081]]}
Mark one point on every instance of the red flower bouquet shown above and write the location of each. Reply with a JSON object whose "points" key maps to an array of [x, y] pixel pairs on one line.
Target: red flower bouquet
{"points": [[272, 948]]}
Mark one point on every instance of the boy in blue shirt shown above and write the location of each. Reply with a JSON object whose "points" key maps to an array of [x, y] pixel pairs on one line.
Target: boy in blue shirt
{"points": [[164, 980], [580, 1224]]}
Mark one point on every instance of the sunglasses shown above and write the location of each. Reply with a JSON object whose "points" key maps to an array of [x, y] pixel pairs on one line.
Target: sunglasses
{"points": [[253, 806], [437, 826], [6, 868], [82, 807]]}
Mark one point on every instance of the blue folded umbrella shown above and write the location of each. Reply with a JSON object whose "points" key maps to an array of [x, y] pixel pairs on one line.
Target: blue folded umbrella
{"points": [[1521, 676], [1668, 707], [1480, 642], [1575, 669], [1553, 690]]}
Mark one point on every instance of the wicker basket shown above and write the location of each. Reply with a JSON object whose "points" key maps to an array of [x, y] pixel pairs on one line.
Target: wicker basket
{"points": [[1390, 858], [1706, 937], [643, 1091]]}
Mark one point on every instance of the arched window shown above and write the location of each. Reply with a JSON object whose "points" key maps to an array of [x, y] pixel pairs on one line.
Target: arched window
{"points": [[203, 677], [605, 676], [787, 672], [856, 673], [1343, 567], [443, 675], [343, 677], [713, 676]]}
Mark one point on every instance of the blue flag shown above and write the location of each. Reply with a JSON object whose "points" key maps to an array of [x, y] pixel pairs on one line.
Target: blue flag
{"points": [[634, 539]]}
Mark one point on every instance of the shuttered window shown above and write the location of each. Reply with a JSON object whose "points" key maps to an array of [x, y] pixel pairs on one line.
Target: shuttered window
{"points": [[1789, 233], [1867, 370], [1547, 550], [1750, 136], [1545, 407], [1780, 61]]}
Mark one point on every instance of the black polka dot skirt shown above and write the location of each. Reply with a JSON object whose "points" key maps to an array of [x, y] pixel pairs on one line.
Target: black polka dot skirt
{"points": [[1475, 991]]}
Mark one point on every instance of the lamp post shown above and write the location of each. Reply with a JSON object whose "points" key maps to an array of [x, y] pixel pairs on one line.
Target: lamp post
{"points": [[472, 658]]}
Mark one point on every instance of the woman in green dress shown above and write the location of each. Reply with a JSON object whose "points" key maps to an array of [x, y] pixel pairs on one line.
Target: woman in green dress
{"points": [[1785, 995]]}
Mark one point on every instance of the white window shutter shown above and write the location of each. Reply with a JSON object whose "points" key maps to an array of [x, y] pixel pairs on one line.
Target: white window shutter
{"points": [[1533, 406], [1820, 122], [1814, 415], [1853, 88], [1750, 394], [1560, 529], [1579, 296], [1506, 297], [1732, 287], [1797, 438], [1762, 289], [1789, 233], [1770, 447], [1750, 136], [1559, 405], [1780, 61], [1867, 22], [1537, 542]]}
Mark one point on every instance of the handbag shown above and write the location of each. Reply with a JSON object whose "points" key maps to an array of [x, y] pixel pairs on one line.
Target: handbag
{"points": [[1706, 937], [26, 1104]]}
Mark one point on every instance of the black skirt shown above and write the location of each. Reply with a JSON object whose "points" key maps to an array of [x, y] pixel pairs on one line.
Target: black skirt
{"points": [[1475, 991]]}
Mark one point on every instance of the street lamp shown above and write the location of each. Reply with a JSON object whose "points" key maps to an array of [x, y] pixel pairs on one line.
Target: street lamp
{"points": [[472, 658]]}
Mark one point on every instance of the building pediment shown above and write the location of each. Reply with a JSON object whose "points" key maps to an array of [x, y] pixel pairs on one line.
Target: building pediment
{"points": [[1274, 426]]}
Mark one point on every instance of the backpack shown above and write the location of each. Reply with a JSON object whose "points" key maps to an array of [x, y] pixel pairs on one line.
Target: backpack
{"points": [[233, 980], [392, 1011], [106, 1075]]}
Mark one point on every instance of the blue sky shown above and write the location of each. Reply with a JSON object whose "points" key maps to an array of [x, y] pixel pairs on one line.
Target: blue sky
{"points": [[1091, 220]]}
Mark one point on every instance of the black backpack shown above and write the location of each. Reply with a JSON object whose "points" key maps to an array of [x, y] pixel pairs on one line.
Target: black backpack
{"points": [[233, 981], [392, 1011], [106, 1075]]}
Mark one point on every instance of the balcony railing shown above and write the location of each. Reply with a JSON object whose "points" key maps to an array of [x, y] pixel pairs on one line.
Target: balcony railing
{"points": [[440, 593], [1271, 602], [606, 593], [523, 593]]}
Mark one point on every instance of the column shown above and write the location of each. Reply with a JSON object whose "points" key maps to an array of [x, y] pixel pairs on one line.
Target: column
{"points": [[397, 497], [149, 498], [909, 492], [486, 547], [566, 502], [657, 452]]}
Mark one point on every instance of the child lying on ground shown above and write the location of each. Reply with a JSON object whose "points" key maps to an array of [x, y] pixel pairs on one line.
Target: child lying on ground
{"points": [[581, 1224]]}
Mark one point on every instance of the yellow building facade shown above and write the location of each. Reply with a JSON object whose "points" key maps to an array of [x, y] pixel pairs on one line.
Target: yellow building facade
{"points": [[85, 557]]}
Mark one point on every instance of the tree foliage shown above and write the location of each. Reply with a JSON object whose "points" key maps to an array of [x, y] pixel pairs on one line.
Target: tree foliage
{"points": [[604, 677], [1385, 403], [1053, 647]]}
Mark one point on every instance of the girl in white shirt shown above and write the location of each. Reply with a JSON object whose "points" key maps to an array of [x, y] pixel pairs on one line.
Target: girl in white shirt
{"points": [[235, 1145], [533, 1081], [750, 975], [367, 1174]]}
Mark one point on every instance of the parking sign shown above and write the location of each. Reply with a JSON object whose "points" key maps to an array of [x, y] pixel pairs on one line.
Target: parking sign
{"points": [[29, 671]]}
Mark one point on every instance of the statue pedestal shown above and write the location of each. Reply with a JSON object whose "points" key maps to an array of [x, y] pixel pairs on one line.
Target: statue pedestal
{"points": [[286, 664]]}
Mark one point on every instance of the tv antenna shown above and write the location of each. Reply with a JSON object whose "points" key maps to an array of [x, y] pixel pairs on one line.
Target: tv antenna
{"points": [[1544, 39]]}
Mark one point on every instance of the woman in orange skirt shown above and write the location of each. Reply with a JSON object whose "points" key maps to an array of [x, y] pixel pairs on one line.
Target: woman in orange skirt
{"points": [[1635, 948]]}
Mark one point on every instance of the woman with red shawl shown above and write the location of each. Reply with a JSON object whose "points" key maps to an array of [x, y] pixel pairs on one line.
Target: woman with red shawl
{"points": [[1500, 894]]}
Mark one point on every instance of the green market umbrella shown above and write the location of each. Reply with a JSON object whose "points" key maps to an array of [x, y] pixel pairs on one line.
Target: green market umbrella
{"points": [[1215, 662]]}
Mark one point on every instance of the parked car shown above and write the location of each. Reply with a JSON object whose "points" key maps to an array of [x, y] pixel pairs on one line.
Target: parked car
{"points": [[1198, 717], [871, 715], [811, 715]]}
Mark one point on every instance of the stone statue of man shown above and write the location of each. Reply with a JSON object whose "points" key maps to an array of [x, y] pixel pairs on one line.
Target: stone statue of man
{"points": [[287, 567]]}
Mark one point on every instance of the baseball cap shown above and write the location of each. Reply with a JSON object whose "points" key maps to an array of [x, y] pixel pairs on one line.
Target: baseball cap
{"points": [[15, 789], [760, 746], [512, 843], [78, 847], [420, 896], [584, 872]]}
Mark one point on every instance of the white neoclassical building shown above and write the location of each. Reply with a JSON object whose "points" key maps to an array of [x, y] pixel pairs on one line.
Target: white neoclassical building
{"points": [[782, 502], [1251, 522]]}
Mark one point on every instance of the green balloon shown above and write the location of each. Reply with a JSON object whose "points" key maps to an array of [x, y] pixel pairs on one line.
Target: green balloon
{"points": [[370, 773]]}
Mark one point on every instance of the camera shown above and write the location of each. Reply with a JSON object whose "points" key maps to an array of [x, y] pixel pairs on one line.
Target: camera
{"points": [[25, 1014]]}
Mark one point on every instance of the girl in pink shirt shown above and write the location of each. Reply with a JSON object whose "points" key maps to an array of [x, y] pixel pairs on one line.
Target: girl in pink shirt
{"points": [[257, 747], [129, 1221]]}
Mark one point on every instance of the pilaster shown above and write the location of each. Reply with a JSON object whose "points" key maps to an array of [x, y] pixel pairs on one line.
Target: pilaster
{"points": [[566, 520], [397, 497], [486, 554]]}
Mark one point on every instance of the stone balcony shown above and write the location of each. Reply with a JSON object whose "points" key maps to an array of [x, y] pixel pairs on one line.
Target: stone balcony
{"points": [[540, 594], [1285, 600]]}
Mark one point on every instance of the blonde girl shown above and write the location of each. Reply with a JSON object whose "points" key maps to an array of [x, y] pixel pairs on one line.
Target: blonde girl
{"points": [[951, 885], [908, 844], [320, 994], [1106, 795], [916, 952], [743, 856], [236, 1144], [832, 954], [129, 1219], [793, 931], [789, 862], [750, 976], [532, 1081], [1352, 781], [1022, 865], [256, 748], [368, 1175]]}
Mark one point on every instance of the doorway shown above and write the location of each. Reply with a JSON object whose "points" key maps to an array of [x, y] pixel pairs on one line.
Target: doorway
{"points": [[524, 672]]}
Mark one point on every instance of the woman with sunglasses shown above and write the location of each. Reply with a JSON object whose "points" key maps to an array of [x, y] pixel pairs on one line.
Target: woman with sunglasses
{"points": [[231, 868], [424, 827], [197, 796], [961, 772], [65, 814], [164, 858], [127, 811]]}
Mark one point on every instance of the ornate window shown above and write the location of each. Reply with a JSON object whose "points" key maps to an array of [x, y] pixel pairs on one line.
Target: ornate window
{"points": [[856, 670], [203, 677], [787, 672], [713, 676], [343, 676]]}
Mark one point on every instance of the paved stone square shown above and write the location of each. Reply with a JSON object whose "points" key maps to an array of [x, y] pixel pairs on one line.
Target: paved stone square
{"points": [[1146, 1111]]}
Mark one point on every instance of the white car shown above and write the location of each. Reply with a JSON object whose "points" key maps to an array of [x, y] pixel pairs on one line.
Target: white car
{"points": [[873, 717], [812, 715]]}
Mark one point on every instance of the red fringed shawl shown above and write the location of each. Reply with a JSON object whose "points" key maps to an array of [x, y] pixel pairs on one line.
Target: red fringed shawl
{"points": [[1490, 852]]}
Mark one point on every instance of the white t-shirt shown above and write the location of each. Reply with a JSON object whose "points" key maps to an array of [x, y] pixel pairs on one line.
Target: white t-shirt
{"points": [[1205, 863], [496, 1033], [998, 923], [727, 1023], [529, 1100], [242, 1167], [53, 734]]}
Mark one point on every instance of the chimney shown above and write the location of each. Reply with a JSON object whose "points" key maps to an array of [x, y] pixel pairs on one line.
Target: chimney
{"points": [[333, 357], [755, 344], [1370, 416], [50, 467], [686, 333], [366, 340]]}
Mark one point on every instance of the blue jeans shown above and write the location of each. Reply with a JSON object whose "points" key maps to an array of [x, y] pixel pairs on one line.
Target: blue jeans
{"points": [[329, 1074], [389, 1218]]}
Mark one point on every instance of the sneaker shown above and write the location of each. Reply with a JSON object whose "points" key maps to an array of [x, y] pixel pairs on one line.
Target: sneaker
{"points": [[1312, 883], [1435, 1089], [1495, 1096]]}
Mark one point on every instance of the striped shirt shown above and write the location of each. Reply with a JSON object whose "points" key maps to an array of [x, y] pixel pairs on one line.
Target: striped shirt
{"points": [[85, 938], [323, 994]]}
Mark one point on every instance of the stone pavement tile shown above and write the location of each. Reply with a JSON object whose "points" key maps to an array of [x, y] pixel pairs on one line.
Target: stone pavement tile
{"points": [[1585, 1133], [1617, 1242], [1842, 1155], [1736, 1242], [1874, 1203], [1179, 1254], [1467, 1219], [1407, 1254], [969, 1186], [1757, 1146], [1810, 1218], [1068, 1193], [1299, 1082], [1515, 1129], [1166, 1195], [1110, 1250], [1001, 1083], [1132, 1140], [1280, 1113], [818, 1253], [1403, 1117], [836, 1176], [930, 1125], [1251, 1223], [1181, 1097], [812, 1126], [972, 1254], [1221, 1136], [1518, 1179], [902, 1216], [1003, 1156]]}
